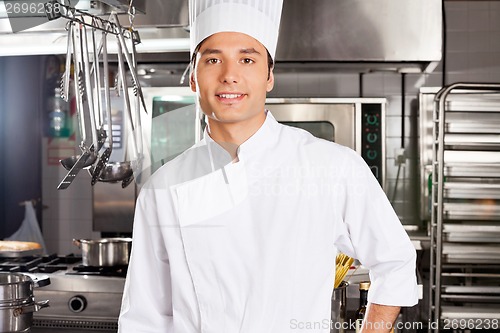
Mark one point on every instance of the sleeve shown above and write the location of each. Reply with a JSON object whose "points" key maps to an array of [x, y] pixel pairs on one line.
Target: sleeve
{"points": [[147, 297], [371, 232]]}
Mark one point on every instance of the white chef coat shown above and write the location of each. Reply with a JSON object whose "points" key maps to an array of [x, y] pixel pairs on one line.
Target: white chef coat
{"points": [[250, 246]]}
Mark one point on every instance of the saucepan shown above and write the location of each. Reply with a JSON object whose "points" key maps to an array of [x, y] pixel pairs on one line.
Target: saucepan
{"points": [[339, 309], [17, 302], [104, 252]]}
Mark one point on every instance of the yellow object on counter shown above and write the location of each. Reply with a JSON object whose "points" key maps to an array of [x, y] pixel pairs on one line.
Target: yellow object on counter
{"points": [[342, 265]]}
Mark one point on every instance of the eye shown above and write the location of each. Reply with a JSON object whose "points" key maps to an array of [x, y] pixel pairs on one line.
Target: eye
{"points": [[212, 61], [248, 61]]}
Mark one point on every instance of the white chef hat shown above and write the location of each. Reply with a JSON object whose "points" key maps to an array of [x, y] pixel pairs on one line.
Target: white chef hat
{"points": [[259, 19]]}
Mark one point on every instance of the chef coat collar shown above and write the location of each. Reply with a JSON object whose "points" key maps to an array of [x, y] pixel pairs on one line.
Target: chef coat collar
{"points": [[265, 136]]}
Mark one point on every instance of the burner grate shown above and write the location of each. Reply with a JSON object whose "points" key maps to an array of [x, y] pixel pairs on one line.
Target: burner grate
{"points": [[69, 264], [24, 264], [38, 264]]}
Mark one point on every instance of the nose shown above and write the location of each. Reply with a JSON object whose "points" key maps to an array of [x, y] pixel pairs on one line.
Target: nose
{"points": [[229, 73]]}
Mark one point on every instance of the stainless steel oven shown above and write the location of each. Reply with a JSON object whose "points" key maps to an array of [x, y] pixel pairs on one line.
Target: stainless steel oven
{"points": [[358, 123]]}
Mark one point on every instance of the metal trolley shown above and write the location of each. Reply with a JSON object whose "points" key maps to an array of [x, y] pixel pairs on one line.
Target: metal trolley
{"points": [[464, 291]]}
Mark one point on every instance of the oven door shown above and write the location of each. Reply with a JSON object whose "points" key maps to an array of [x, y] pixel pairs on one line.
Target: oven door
{"points": [[333, 122], [172, 126]]}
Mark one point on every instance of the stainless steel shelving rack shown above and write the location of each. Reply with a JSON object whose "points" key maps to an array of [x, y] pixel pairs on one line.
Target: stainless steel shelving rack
{"points": [[464, 288]]}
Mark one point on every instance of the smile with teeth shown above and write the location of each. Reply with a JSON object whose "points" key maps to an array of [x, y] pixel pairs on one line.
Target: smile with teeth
{"points": [[230, 96]]}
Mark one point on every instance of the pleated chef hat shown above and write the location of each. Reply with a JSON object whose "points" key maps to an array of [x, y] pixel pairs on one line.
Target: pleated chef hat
{"points": [[259, 19]]}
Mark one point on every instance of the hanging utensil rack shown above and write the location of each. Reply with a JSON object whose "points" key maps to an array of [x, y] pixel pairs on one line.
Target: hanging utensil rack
{"points": [[465, 247], [111, 26]]}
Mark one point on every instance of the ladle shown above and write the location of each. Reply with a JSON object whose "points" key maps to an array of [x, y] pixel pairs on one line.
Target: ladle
{"points": [[104, 158], [90, 101], [138, 131], [119, 171], [101, 133]]}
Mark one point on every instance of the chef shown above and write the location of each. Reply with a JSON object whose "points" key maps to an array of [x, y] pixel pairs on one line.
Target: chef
{"points": [[240, 232]]}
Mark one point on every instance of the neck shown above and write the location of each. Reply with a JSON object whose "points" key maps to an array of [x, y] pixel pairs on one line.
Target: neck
{"points": [[230, 135]]}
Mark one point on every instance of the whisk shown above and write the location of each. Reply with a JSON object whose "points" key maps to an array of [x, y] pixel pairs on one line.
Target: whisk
{"points": [[342, 265]]}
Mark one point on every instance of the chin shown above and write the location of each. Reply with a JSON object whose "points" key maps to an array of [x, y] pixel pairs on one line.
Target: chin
{"points": [[228, 116], [232, 115], [228, 119]]}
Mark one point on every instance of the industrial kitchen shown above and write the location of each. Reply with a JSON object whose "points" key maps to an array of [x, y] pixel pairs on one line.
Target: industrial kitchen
{"points": [[127, 204]]}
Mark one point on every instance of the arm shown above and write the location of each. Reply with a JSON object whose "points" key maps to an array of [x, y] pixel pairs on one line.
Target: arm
{"points": [[379, 318], [371, 232]]}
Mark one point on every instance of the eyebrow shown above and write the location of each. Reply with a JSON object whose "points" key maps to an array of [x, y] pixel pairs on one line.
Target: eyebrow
{"points": [[211, 51], [249, 51], [242, 51]]}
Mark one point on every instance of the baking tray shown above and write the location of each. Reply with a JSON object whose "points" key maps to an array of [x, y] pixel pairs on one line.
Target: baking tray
{"points": [[20, 253]]}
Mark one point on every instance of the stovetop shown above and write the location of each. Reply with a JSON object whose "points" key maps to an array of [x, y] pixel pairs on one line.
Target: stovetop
{"points": [[81, 298], [70, 264]]}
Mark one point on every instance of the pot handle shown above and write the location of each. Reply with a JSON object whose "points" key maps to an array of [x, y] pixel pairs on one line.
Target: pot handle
{"points": [[31, 308], [39, 280], [77, 242]]}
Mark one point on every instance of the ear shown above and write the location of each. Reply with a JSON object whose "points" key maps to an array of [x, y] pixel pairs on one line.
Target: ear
{"points": [[270, 81], [192, 82]]}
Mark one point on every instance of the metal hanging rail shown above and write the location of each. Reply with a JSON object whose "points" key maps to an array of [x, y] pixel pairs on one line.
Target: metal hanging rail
{"points": [[55, 9], [437, 194]]}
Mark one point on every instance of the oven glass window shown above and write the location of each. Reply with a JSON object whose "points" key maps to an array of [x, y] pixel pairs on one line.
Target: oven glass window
{"points": [[172, 128], [320, 129]]}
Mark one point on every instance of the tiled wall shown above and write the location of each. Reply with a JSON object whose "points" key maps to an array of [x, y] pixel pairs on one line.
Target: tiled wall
{"points": [[473, 55]]}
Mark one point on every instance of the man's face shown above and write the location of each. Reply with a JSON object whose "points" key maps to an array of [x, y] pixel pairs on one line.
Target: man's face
{"points": [[231, 77]]}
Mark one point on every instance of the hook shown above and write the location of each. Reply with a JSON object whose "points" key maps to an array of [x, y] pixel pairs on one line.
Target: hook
{"points": [[131, 13], [68, 25]]}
